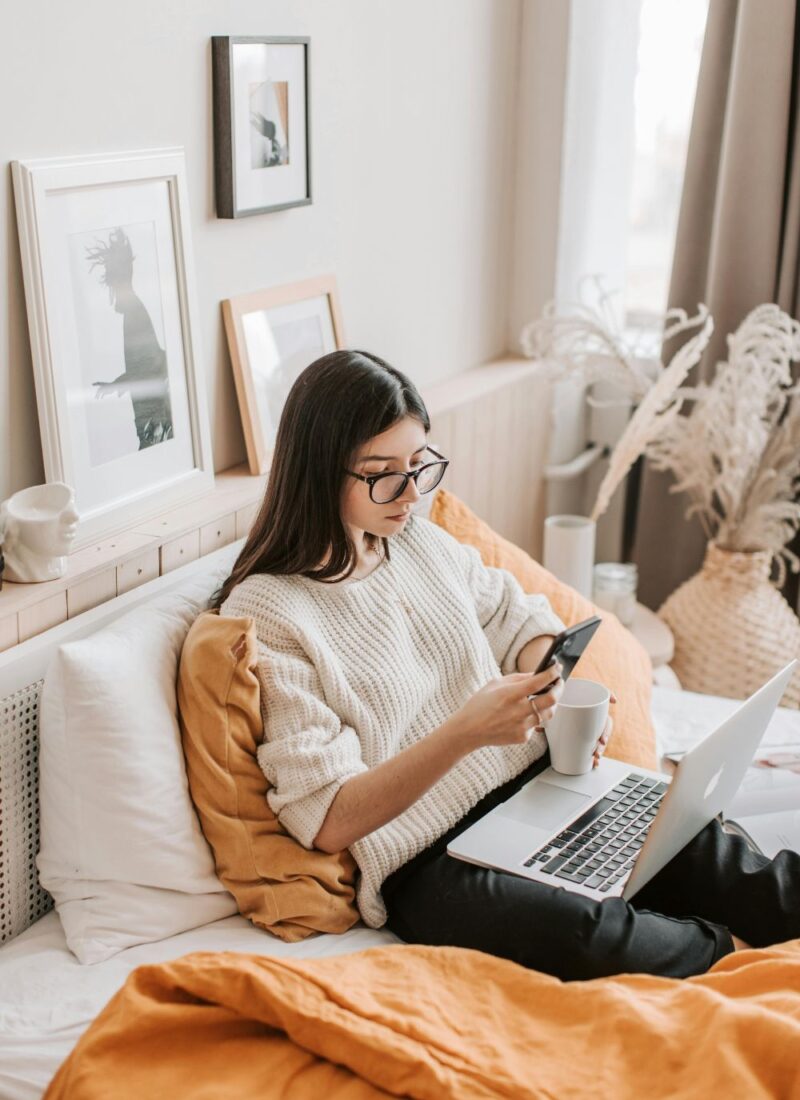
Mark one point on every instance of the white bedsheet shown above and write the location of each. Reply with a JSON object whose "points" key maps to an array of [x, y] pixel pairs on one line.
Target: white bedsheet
{"points": [[48, 999]]}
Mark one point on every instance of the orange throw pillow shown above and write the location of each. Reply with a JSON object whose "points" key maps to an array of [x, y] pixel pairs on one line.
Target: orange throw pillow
{"points": [[277, 884], [614, 657]]}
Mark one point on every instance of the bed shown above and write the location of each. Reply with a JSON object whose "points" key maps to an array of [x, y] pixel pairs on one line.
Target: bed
{"points": [[47, 998]]}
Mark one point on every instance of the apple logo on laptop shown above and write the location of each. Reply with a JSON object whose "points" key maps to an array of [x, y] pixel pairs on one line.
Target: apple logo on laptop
{"points": [[713, 782]]}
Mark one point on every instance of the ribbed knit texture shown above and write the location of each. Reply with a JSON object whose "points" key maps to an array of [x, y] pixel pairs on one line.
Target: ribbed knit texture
{"points": [[351, 674]]}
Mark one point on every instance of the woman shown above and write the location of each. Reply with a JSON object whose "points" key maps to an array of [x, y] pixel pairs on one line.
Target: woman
{"points": [[400, 702]]}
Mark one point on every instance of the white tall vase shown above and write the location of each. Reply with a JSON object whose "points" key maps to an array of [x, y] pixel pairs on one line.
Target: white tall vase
{"points": [[569, 550]]}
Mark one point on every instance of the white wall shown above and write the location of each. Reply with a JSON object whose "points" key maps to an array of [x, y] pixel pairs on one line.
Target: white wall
{"points": [[544, 36], [413, 111]]}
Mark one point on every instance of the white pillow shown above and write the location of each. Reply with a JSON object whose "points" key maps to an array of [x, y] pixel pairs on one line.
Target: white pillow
{"points": [[121, 851]]}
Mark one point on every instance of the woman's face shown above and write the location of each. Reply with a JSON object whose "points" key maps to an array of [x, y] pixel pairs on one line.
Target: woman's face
{"points": [[399, 449]]}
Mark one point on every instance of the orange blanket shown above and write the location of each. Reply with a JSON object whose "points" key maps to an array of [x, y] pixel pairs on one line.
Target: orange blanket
{"points": [[439, 1023]]}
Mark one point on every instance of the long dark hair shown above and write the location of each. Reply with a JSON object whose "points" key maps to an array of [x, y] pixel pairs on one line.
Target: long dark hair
{"points": [[338, 403]]}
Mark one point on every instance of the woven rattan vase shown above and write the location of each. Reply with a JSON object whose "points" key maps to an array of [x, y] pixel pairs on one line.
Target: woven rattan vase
{"points": [[733, 630]]}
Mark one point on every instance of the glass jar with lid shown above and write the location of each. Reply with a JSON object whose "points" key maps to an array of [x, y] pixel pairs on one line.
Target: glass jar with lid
{"points": [[614, 588]]}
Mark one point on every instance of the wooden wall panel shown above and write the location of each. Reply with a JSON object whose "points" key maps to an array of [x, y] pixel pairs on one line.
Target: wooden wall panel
{"points": [[9, 632], [508, 498], [213, 536], [41, 616], [245, 518], [91, 592], [441, 435], [495, 432], [135, 571], [180, 551], [463, 456]]}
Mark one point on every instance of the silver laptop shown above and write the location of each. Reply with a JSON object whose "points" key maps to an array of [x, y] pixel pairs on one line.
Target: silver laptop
{"points": [[607, 833]]}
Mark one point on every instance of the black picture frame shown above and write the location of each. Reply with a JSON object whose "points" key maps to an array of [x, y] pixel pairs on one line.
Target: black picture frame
{"points": [[228, 198]]}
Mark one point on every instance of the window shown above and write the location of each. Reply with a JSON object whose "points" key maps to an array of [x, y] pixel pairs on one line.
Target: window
{"points": [[668, 59]]}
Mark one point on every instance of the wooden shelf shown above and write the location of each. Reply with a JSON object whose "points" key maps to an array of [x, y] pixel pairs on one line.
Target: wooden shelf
{"points": [[118, 564]]}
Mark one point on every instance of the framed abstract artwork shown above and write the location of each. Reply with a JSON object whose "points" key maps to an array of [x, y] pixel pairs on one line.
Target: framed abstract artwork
{"points": [[262, 157], [108, 272], [273, 335]]}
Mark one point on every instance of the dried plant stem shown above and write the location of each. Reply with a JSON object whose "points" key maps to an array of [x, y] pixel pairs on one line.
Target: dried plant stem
{"points": [[732, 445], [737, 452], [659, 407]]}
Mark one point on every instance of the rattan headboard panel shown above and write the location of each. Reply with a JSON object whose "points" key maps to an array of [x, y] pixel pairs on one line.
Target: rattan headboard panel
{"points": [[22, 669], [22, 900]]}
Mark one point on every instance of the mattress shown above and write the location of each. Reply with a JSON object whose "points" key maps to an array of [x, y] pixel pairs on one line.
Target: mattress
{"points": [[48, 999]]}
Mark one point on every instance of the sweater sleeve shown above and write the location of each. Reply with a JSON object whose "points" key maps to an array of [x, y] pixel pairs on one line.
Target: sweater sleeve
{"points": [[308, 752], [510, 617]]}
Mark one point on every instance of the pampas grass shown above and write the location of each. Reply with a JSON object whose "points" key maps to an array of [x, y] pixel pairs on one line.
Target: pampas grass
{"points": [[660, 406], [737, 452], [585, 344]]}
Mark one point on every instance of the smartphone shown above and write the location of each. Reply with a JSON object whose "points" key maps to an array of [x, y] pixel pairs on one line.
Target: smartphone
{"points": [[568, 646]]}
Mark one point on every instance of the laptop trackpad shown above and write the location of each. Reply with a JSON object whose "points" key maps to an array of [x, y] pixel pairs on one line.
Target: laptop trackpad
{"points": [[543, 805]]}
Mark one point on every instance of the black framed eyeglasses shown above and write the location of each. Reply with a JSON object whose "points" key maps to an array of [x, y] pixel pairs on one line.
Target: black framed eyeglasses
{"points": [[386, 487]]}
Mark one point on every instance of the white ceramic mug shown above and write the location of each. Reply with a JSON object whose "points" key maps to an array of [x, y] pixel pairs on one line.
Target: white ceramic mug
{"points": [[575, 728]]}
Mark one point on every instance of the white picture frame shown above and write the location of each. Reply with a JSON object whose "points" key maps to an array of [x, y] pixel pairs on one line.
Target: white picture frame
{"points": [[262, 144], [109, 284], [273, 335]]}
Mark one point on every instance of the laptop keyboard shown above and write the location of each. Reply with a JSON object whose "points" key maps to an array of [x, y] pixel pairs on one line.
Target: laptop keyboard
{"points": [[600, 847]]}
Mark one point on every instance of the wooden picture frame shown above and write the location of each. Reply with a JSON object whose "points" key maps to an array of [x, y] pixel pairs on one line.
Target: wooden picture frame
{"points": [[272, 336], [107, 264], [262, 146]]}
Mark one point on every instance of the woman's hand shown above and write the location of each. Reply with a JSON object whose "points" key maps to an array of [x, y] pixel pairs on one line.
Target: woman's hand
{"points": [[502, 713], [600, 747]]}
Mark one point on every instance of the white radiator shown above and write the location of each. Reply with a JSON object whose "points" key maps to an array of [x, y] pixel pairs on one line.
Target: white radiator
{"points": [[493, 423]]}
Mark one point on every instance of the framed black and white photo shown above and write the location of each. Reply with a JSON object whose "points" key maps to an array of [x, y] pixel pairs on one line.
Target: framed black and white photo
{"points": [[261, 124], [107, 265], [273, 335]]}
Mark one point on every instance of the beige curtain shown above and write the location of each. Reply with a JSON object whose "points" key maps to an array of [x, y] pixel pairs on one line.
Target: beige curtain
{"points": [[738, 230]]}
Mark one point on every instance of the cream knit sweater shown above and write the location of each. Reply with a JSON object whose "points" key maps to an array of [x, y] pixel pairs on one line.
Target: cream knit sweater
{"points": [[353, 673]]}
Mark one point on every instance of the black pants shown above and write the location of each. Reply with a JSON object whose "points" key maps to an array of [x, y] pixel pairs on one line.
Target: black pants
{"points": [[679, 924]]}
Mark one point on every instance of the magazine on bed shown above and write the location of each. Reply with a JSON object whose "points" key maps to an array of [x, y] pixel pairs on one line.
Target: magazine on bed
{"points": [[769, 833], [767, 805], [766, 808]]}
